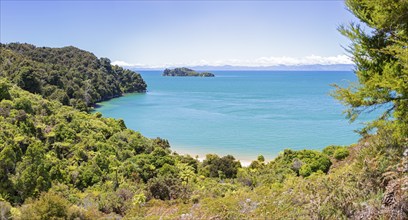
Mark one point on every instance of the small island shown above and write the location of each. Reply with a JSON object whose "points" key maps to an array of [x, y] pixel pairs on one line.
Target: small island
{"points": [[185, 72]]}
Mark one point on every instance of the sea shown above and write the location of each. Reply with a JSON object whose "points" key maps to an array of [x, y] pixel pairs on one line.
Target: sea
{"points": [[241, 113]]}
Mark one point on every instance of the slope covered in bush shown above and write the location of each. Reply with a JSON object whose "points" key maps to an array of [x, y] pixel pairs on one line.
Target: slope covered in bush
{"points": [[59, 162], [72, 76], [43, 141]]}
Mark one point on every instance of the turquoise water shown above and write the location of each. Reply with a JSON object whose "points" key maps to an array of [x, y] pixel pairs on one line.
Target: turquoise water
{"points": [[243, 113]]}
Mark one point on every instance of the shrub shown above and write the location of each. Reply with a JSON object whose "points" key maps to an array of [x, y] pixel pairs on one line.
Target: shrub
{"points": [[338, 152], [261, 158], [167, 188], [4, 90], [341, 153], [49, 206], [255, 164], [305, 170], [329, 150], [303, 162], [214, 166], [23, 104]]}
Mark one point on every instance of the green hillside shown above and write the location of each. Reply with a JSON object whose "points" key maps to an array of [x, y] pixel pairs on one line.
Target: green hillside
{"points": [[72, 76], [57, 162]]}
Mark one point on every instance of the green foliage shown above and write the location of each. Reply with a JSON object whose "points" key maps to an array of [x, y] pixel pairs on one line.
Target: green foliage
{"points": [[27, 79], [381, 60], [261, 158], [341, 153], [224, 167], [32, 176], [190, 161], [43, 143], [337, 152], [259, 163], [48, 206], [255, 164], [118, 201], [24, 104], [304, 162], [329, 150], [166, 188], [4, 90], [69, 75], [59, 163]]}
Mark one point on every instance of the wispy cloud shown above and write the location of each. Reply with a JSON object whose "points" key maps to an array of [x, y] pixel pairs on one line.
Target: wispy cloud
{"points": [[308, 60], [121, 63], [259, 62]]}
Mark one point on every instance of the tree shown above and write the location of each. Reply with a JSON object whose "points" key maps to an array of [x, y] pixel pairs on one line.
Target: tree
{"points": [[381, 58], [48, 206], [341, 153], [32, 175], [214, 166], [65, 73], [4, 90], [28, 80], [165, 187]]}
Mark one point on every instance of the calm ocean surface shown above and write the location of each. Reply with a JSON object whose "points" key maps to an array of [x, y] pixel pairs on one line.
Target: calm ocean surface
{"points": [[243, 113]]}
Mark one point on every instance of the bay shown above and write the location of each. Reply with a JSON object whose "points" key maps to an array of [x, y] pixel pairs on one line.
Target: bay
{"points": [[242, 113]]}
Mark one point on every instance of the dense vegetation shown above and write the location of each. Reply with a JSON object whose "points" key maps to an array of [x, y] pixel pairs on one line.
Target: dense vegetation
{"points": [[381, 56], [57, 162], [185, 72], [83, 165], [70, 75]]}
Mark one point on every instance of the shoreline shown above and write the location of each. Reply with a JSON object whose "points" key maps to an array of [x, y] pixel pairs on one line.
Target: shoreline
{"points": [[245, 162]]}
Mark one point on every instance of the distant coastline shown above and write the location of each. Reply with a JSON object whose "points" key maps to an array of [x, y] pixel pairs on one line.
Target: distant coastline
{"points": [[179, 109], [315, 67]]}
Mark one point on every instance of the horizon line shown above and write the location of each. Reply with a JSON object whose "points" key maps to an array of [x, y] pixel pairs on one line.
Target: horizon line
{"points": [[282, 67]]}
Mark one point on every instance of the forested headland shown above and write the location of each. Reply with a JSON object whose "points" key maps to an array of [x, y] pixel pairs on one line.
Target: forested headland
{"points": [[72, 76], [60, 162]]}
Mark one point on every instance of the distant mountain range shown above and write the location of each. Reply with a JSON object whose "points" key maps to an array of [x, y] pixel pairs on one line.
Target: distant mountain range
{"points": [[314, 67]]}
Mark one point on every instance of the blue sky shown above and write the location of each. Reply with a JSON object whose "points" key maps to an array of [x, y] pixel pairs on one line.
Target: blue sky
{"points": [[166, 33]]}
